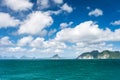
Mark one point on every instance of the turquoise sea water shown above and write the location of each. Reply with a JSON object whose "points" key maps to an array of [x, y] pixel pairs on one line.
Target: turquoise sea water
{"points": [[59, 69]]}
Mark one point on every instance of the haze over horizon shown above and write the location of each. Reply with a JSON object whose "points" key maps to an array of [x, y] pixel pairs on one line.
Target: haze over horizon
{"points": [[42, 28]]}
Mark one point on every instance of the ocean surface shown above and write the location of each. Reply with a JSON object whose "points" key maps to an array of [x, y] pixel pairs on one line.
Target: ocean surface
{"points": [[59, 69]]}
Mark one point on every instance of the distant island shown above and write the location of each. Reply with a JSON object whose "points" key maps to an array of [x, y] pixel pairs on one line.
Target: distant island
{"points": [[95, 54], [56, 56], [106, 54]]}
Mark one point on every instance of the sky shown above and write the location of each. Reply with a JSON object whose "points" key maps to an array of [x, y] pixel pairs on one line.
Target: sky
{"points": [[43, 28]]}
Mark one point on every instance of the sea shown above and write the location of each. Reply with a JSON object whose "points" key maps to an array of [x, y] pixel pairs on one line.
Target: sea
{"points": [[108, 69]]}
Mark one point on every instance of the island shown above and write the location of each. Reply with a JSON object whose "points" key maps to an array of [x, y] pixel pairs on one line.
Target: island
{"points": [[106, 54]]}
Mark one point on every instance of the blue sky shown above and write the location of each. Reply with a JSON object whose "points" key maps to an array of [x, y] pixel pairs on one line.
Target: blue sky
{"points": [[42, 28]]}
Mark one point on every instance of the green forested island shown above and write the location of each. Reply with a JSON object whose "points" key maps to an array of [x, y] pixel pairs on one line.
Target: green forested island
{"points": [[106, 54]]}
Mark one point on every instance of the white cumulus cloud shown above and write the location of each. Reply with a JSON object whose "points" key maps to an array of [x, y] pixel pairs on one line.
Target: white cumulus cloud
{"points": [[5, 41], [65, 25], [6, 20], [35, 23], [18, 5], [43, 4], [58, 1], [37, 43], [16, 49], [67, 8], [97, 12], [87, 32], [24, 41], [51, 44], [115, 23], [50, 12]]}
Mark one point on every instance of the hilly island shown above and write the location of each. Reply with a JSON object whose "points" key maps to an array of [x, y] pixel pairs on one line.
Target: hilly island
{"points": [[106, 54]]}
